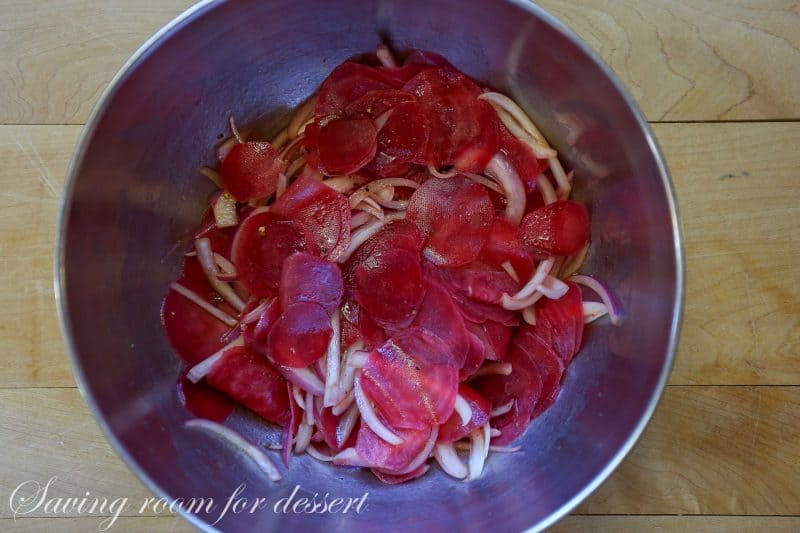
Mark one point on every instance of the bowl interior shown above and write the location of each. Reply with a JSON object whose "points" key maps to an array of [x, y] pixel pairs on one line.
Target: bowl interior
{"points": [[135, 196]]}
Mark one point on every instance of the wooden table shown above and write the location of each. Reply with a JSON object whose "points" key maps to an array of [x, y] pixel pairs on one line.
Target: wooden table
{"points": [[720, 83]]}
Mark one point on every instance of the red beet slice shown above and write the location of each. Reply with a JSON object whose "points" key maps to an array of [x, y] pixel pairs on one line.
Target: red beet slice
{"points": [[476, 355], [374, 103], [291, 427], [413, 379], [307, 278], [301, 335], [404, 136], [389, 287], [456, 215], [551, 368], [494, 336], [396, 479], [323, 212], [439, 315], [504, 244], [559, 323], [560, 228], [329, 424], [261, 244], [346, 144], [256, 334], [524, 385], [380, 454], [248, 378], [454, 429], [193, 333], [348, 82], [204, 401], [522, 158], [425, 57], [251, 170]]}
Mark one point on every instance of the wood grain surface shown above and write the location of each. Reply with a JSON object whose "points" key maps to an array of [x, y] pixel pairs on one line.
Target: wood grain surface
{"points": [[722, 451]]}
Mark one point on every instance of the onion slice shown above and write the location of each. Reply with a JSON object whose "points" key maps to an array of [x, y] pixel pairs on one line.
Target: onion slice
{"points": [[503, 409], [553, 288], [206, 257], [614, 311], [385, 56], [333, 392], [259, 457], [463, 409], [506, 175], [346, 425], [201, 369], [548, 193], [423, 455], [574, 262], [345, 403], [448, 459], [349, 457], [477, 454], [195, 298], [362, 234], [300, 116], [504, 369], [319, 456], [370, 417], [542, 270], [213, 175], [486, 182], [303, 438], [592, 311]]}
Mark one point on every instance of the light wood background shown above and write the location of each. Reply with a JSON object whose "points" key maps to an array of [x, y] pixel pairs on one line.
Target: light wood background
{"points": [[719, 79]]}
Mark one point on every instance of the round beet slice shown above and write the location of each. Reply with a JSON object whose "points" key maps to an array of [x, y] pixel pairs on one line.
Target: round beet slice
{"points": [[346, 144], [374, 103], [262, 242], [559, 323], [456, 215], [250, 170], [440, 316], [388, 286], [454, 429], [346, 84], [307, 278], [504, 244], [380, 454], [404, 136], [560, 228], [551, 368], [476, 355], [301, 335], [522, 158]]}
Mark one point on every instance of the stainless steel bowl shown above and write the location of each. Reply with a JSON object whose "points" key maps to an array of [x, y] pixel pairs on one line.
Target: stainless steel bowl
{"points": [[133, 197]]}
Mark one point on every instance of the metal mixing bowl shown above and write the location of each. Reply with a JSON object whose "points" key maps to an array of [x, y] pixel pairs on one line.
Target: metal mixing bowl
{"points": [[134, 195]]}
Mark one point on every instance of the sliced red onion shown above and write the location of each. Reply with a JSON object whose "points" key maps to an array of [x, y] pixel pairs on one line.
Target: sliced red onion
{"points": [[503, 409], [366, 231], [370, 417], [375, 212], [348, 369], [357, 197], [370, 201], [382, 193], [573, 263], [344, 184], [593, 310], [542, 270], [505, 449], [509, 268], [477, 454], [553, 288], [333, 392], [226, 266], [195, 298], [297, 392], [303, 438], [304, 378], [564, 194], [529, 315], [224, 148], [206, 257], [319, 456], [486, 182], [280, 188], [349, 457], [280, 139], [391, 182], [494, 432], [255, 314], [359, 219], [345, 403], [309, 408], [295, 167], [300, 116], [548, 193], [614, 310], [488, 369], [564, 185], [385, 56], [235, 131], [190, 253], [487, 439], [382, 119], [508, 178], [346, 425], [401, 205], [288, 148], [511, 107], [259, 457], [448, 459], [357, 359], [441, 175], [213, 175], [424, 454], [201, 369], [272, 446], [463, 409]]}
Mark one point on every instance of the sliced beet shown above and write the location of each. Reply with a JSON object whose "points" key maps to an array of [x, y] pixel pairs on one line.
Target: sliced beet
{"points": [[348, 82], [454, 429], [494, 336], [559, 323], [522, 158], [404, 136], [380, 454], [439, 315], [456, 215], [323, 213], [476, 355], [307, 278], [388, 286], [523, 385], [504, 244], [262, 242], [560, 228], [219, 238], [251, 380], [329, 424], [396, 479], [374, 103], [251, 169], [203, 401], [413, 379], [551, 367], [256, 333], [291, 426], [301, 335], [346, 144], [193, 333]]}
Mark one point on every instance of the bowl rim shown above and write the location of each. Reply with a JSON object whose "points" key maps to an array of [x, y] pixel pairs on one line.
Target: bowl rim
{"points": [[200, 8]]}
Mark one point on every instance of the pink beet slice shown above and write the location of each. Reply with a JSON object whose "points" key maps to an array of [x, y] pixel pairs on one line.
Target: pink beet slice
{"points": [[551, 367], [559, 323], [301, 335], [476, 355], [374, 103], [346, 144], [380, 454], [504, 245], [389, 287], [323, 213], [396, 479], [193, 333], [522, 159], [346, 84], [256, 333], [560, 228], [262, 242], [291, 426], [250, 379], [456, 215], [413, 379], [251, 170], [454, 429], [494, 336], [307, 278], [439, 315], [329, 424]]}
